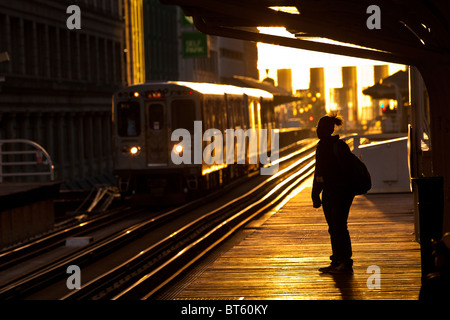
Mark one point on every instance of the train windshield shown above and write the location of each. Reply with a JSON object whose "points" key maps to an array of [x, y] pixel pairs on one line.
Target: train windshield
{"points": [[128, 118], [156, 116], [183, 114]]}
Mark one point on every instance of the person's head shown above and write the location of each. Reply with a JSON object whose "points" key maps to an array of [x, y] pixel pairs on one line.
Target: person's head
{"points": [[325, 127]]}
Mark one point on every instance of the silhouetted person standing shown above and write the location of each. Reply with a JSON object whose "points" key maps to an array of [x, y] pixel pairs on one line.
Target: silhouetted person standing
{"points": [[332, 180]]}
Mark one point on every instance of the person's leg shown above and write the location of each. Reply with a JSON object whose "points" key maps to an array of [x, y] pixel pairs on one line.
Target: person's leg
{"points": [[336, 207]]}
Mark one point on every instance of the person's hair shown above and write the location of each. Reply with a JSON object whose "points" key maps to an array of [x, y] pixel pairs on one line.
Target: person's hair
{"points": [[327, 124], [336, 118]]}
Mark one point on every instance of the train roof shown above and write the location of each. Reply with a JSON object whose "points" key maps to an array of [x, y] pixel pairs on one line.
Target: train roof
{"points": [[211, 88]]}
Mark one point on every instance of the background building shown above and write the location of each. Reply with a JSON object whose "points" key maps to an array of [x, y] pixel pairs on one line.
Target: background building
{"points": [[174, 50], [160, 41], [58, 83], [57, 86]]}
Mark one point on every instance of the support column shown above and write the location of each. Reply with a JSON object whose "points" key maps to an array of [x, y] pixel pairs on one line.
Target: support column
{"points": [[21, 55], [25, 126], [114, 75], [105, 60], [87, 62], [70, 55], [37, 133], [46, 45], [80, 145], [11, 126], [11, 133], [107, 141], [349, 82], [71, 144], [438, 86], [76, 61], [379, 72], [62, 149], [49, 136], [317, 85], [89, 145], [58, 60], [96, 63], [35, 58], [7, 26], [25, 134], [98, 142], [2, 133]]}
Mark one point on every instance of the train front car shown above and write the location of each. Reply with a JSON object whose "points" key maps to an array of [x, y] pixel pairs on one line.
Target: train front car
{"points": [[170, 138], [143, 119]]}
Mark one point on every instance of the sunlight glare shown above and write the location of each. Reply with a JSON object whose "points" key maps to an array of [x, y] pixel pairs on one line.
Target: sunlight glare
{"points": [[274, 57]]}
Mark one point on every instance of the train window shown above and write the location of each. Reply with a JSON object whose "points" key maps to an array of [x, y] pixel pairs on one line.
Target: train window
{"points": [[214, 114], [207, 114], [156, 116], [220, 112], [238, 113], [128, 119], [183, 114], [251, 112]]}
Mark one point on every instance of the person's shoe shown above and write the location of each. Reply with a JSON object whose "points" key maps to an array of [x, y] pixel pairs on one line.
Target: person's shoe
{"points": [[342, 268], [327, 269]]}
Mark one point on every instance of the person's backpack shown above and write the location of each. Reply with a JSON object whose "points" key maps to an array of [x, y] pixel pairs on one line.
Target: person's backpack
{"points": [[359, 176]]}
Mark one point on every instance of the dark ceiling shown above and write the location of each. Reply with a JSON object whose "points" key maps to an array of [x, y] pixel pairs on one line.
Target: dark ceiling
{"points": [[411, 32]]}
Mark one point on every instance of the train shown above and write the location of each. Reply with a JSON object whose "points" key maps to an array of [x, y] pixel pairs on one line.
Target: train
{"points": [[174, 141]]}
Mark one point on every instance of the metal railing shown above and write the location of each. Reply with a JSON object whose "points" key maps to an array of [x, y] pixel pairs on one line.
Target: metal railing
{"points": [[40, 158]]}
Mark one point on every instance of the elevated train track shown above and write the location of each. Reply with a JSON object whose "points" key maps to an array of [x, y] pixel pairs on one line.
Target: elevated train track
{"points": [[127, 263]]}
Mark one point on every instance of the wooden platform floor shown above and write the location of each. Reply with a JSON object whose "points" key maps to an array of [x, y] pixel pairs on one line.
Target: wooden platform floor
{"points": [[280, 258]]}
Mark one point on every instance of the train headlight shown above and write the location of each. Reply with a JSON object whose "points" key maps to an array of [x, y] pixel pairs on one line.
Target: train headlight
{"points": [[135, 150]]}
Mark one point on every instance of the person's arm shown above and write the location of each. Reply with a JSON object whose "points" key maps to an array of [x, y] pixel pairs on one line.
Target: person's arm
{"points": [[318, 180]]}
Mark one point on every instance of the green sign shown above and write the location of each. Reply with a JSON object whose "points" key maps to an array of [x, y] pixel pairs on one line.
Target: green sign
{"points": [[195, 44]]}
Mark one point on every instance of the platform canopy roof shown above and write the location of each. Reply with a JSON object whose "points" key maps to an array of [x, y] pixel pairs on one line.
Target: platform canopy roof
{"points": [[412, 31], [389, 87]]}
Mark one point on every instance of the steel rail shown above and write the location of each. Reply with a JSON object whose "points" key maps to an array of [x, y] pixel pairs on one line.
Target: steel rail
{"points": [[149, 256], [57, 270], [50, 241], [211, 239]]}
